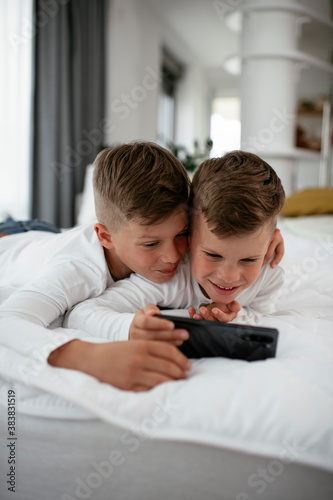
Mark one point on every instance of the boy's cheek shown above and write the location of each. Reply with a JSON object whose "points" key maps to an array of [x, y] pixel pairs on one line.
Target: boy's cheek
{"points": [[200, 269], [253, 275], [185, 247]]}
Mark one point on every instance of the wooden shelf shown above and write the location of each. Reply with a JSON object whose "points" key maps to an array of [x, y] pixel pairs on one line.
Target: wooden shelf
{"points": [[310, 112], [293, 154]]}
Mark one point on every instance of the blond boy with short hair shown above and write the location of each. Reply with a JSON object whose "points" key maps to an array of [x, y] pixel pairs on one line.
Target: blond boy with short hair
{"points": [[235, 202], [141, 192]]}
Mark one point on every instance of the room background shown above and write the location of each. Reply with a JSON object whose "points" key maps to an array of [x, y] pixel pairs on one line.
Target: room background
{"points": [[85, 74]]}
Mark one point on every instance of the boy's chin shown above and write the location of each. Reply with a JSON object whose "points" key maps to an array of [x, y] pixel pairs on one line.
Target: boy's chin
{"points": [[161, 278], [217, 298], [223, 301]]}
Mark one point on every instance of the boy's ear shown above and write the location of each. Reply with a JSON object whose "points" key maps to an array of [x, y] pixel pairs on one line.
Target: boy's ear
{"points": [[271, 246], [103, 235], [276, 232]]}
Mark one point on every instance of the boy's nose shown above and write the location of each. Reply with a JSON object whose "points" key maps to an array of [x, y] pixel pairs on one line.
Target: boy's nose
{"points": [[228, 274], [171, 254]]}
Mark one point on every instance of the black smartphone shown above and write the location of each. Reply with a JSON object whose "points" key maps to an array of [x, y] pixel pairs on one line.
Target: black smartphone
{"points": [[212, 338]]}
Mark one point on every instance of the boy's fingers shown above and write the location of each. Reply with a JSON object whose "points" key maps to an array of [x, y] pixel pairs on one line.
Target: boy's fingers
{"points": [[279, 252], [169, 353], [207, 314], [270, 251], [163, 370], [222, 316], [198, 316], [151, 309], [150, 379], [142, 388], [191, 311], [234, 306], [174, 335], [151, 323], [150, 328]]}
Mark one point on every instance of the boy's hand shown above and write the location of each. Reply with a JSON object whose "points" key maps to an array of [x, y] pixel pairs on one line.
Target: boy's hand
{"points": [[134, 366], [216, 312], [276, 245], [146, 327]]}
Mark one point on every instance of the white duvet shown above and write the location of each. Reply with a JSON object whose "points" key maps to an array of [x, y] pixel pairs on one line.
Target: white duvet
{"points": [[280, 408]]}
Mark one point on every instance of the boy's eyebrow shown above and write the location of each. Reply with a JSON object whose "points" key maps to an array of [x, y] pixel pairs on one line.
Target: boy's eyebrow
{"points": [[156, 237], [207, 250], [149, 237], [219, 253]]}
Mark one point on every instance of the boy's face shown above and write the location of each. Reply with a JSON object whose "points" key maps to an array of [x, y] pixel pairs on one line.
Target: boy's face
{"points": [[153, 251], [224, 267]]}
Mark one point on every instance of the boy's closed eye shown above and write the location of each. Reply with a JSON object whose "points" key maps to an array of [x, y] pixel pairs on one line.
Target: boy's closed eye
{"points": [[183, 234], [150, 244], [246, 260], [213, 255]]}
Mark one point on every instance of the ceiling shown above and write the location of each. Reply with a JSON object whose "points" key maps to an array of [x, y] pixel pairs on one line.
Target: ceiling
{"points": [[202, 26], [198, 25]]}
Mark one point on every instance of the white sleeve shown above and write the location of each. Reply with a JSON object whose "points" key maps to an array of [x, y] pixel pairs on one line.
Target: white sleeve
{"points": [[265, 300], [111, 314], [53, 292]]}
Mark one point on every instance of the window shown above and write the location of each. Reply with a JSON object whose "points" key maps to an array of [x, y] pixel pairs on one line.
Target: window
{"points": [[171, 73], [225, 125], [16, 44], [166, 119]]}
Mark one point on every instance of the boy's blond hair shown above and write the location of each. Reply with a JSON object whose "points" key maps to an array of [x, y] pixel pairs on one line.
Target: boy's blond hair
{"points": [[138, 181], [237, 194]]}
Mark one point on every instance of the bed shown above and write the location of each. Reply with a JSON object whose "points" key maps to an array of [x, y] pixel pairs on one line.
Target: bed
{"points": [[232, 430]]}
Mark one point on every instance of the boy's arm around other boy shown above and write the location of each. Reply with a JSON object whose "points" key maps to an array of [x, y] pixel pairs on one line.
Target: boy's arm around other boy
{"points": [[111, 315]]}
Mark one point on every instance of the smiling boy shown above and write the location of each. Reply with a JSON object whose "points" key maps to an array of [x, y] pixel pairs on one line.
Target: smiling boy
{"points": [[228, 252], [158, 264], [235, 201], [141, 195], [225, 267]]}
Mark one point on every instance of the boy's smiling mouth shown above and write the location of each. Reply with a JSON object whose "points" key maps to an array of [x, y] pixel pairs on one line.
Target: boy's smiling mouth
{"points": [[170, 270], [224, 290]]}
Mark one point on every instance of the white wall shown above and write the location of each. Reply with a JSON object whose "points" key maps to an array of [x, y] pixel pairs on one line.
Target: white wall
{"points": [[134, 39], [131, 87], [136, 33]]}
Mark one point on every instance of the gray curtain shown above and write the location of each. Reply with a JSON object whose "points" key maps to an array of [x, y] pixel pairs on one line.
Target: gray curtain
{"points": [[68, 103]]}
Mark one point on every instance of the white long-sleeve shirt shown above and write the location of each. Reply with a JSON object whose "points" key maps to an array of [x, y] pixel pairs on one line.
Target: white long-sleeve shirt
{"points": [[42, 276], [110, 315]]}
